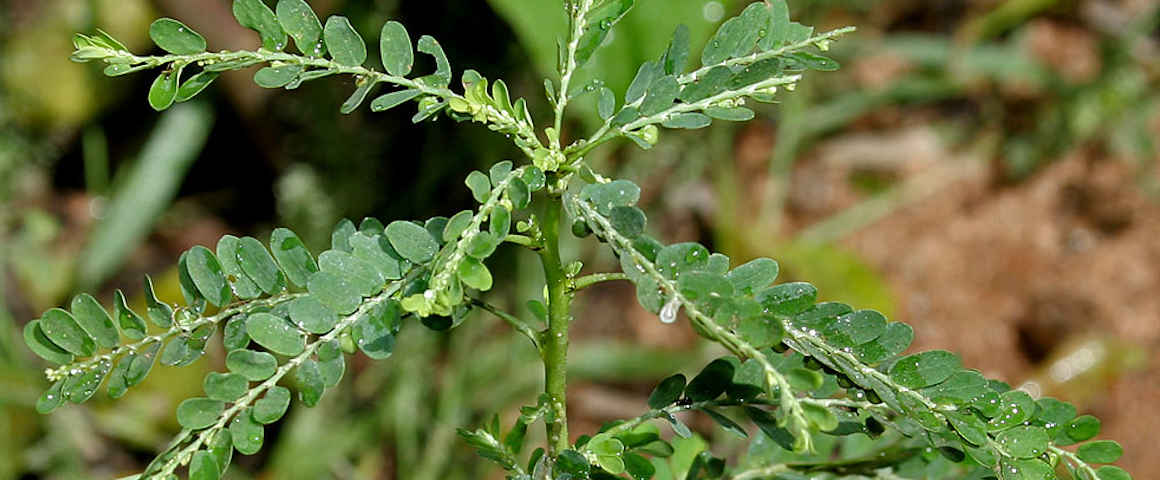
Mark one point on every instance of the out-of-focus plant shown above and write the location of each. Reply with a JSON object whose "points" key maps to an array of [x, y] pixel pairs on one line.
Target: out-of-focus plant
{"points": [[806, 376]]}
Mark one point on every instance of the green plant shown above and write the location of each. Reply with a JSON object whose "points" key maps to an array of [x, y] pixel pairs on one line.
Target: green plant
{"points": [[825, 385]]}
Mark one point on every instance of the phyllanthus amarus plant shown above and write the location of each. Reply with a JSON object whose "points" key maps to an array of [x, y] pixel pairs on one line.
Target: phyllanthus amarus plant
{"points": [[806, 376]]}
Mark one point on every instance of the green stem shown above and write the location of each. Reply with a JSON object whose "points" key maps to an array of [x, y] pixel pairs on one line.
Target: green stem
{"points": [[590, 280], [554, 347], [515, 323], [522, 240], [1074, 460]]}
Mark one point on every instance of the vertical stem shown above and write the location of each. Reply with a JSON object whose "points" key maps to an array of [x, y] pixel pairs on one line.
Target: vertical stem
{"points": [[554, 348]]}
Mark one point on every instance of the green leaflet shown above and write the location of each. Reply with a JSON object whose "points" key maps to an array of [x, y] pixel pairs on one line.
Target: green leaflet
{"points": [[310, 383], [474, 274], [198, 413], [275, 333], [132, 369], [163, 91], [51, 399], [340, 236], [247, 434], [377, 251], [175, 37], [44, 347], [259, 266], [226, 387], [255, 15], [629, 221], [95, 321], [924, 369], [300, 22], [605, 196], [334, 291], [442, 76], [277, 77], [711, 381], [753, 276], [1015, 408], [194, 85], [1082, 428], [331, 363], [677, 54], [391, 100], [667, 392], [272, 406], [689, 121], [311, 315], [80, 388], [363, 277], [189, 291], [344, 43], [374, 331], [255, 366], [292, 256], [208, 276], [395, 46], [1110, 472], [62, 329], [203, 466], [599, 22], [412, 241], [240, 283]]}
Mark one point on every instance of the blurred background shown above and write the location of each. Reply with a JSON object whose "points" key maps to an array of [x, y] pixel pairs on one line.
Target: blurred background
{"points": [[982, 169]]}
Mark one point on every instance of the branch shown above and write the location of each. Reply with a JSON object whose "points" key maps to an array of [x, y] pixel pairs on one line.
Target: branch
{"points": [[759, 56], [242, 308], [578, 22], [440, 297]]}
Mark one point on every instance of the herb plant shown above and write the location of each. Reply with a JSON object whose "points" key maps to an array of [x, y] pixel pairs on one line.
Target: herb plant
{"points": [[806, 375]]}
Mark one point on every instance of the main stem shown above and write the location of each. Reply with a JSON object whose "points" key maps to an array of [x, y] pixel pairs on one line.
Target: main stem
{"points": [[554, 347]]}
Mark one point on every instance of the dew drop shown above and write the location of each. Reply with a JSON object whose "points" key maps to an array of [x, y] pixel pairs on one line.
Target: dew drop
{"points": [[713, 11], [606, 24], [669, 311]]}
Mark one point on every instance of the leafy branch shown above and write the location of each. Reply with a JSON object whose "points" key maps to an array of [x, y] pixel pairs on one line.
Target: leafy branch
{"points": [[243, 412], [929, 393], [750, 56], [646, 270], [347, 53], [460, 261]]}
